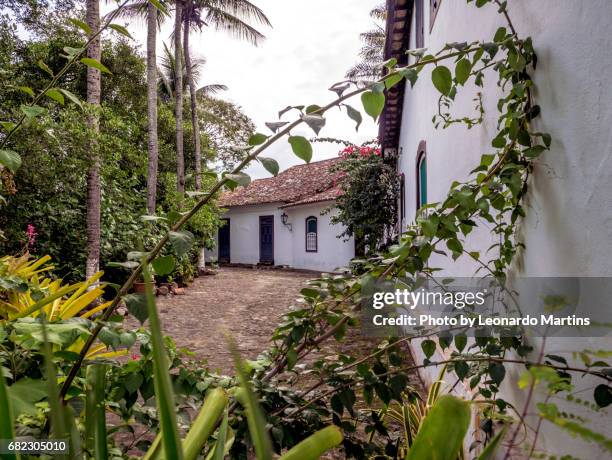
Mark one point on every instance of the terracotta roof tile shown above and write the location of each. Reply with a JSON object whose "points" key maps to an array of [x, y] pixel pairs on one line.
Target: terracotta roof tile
{"points": [[295, 184]]}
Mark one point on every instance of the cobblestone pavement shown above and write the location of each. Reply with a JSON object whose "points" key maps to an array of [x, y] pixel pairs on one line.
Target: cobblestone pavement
{"points": [[245, 302]]}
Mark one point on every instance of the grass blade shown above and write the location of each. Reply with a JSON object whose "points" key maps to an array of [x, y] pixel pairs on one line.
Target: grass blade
{"points": [[95, 414], [315, 445], [205, 423], [6, 426], [164, 395], [255, 416]]}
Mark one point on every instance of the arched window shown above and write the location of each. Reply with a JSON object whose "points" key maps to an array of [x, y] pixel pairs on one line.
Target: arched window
{"points": [[421, 173], [311, 234]]}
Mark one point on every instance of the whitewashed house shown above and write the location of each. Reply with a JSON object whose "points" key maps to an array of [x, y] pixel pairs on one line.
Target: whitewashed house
{"points": [[281, 221], [568, 227]]}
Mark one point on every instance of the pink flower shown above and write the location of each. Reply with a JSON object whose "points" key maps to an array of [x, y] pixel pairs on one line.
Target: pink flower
{"points": [[31, 234], [135, 356]]}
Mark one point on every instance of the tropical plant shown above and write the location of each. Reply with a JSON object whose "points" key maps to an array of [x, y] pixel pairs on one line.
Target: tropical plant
{"points": [[367, 208], [227, 16], [371, 55]]}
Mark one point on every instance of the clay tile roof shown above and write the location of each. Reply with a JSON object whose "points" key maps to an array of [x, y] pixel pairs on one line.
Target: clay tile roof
{"points": [[295, 184]]}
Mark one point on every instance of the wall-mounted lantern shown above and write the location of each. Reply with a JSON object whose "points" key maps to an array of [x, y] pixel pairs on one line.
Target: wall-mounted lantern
{"points": [[285, 219]]}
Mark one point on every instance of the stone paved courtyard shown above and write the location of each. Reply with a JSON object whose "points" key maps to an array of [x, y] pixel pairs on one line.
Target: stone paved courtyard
{"points": [[245, 302]]}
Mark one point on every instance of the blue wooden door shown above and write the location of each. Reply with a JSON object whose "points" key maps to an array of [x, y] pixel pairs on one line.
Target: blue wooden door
{"points": [[266, 240], [224, 242]]}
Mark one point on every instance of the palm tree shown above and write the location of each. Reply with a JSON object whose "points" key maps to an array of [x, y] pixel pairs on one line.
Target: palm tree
{"points": [[92, 263], [228, 15], [167, 73], [372, 52], [178, 93], [153, 148], [142, 8]]}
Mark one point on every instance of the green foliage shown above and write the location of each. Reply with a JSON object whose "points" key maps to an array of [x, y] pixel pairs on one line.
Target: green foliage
{"points": [[368, 206]]}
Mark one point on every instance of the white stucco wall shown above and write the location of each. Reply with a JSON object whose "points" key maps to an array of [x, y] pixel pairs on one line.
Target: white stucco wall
{"points": [[332, 252], [289, 245], [568, 229]]}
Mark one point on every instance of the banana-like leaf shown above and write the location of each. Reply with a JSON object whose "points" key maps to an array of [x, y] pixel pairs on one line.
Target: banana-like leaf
{"points": [[439, 439], [164, 395], [315, 445], [205, 423], [95, 414], [255, 416], [6, 427]]}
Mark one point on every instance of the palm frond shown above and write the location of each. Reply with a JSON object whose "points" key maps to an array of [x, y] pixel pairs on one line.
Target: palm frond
{"points": [[241, 9], [214, 88], [227, 22]]}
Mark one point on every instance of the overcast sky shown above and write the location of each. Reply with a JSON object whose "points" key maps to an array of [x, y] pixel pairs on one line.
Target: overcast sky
{"points": [[310, 46]]}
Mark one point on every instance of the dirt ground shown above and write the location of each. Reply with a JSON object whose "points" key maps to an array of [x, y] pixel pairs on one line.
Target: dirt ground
{"points": [[246, 303]]}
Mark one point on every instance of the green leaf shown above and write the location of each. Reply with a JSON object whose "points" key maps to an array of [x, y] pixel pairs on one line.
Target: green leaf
{"points": [[461, 369], [409, 74], [32, 111], [10, 159], [454, 245], [316, 122], [239, 178], [534, 152], [26, 89], [497, 371], [72, 97], [354, 115], [122, 30], [95, 413], [44, 67], [603, 395], [219, 451], [428, 347], [72, 52], [8, 126], [255, 416], [460, 342], [181, 241], [270, 164], [164, 396], [373, 103], [312, 108], [301, 147], [81, 25], [393, 80], [137, 306], [462, 70], [315, 445], [157, 4], [500, 34], [442, 79], [89, 62], [55, 94], [437, 439], [24, 394], [7, 430], [257, 139], [163, 265]]}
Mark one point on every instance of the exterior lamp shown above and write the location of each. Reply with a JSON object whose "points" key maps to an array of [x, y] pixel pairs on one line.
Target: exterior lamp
{"points": [[284, 219]]}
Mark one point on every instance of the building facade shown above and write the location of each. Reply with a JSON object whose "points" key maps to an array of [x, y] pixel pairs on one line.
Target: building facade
{"points": [[567, 229], [285, 221]]}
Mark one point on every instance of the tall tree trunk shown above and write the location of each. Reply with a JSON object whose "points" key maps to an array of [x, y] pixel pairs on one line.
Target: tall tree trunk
{"points": [[178, 90], [92, 264], [194, 112], [152, 107]]}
